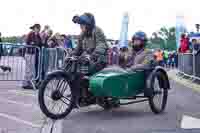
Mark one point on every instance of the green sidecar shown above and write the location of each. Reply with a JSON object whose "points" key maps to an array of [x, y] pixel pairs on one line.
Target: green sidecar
{"points": [[117, 83], [108, 88]]}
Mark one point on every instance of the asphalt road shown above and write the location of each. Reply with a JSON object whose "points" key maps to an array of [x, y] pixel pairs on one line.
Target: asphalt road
{"points": [[137, 117], [20, 113]]}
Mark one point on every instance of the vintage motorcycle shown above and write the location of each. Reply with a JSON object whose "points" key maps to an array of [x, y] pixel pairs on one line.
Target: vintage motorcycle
{"points": [[77, 85]]}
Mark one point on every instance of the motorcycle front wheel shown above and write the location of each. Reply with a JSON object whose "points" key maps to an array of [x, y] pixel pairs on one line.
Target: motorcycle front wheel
{"points": [[55, 96]]}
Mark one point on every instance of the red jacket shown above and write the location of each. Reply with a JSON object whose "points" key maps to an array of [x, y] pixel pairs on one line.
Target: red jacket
{"points": [[184, 45]]}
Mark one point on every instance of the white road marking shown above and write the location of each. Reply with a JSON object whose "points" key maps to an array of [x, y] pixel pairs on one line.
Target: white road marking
{"points": [[25, 93], [33, 94], [33, 106], [58, 127], [53, 127], [19, 120], [14, 102], [189, 122]]}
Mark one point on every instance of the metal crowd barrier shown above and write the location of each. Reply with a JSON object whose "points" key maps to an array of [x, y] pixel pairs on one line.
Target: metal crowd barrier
{"points": [[188, 65], [197, 65], [17, 60], [52, 59], [29, 63]]}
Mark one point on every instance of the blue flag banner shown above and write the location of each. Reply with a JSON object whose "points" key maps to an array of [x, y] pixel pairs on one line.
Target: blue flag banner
{"points": [[123, 41]]}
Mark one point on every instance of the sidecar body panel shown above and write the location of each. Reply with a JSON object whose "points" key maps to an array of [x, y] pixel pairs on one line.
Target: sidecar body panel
{"points": [[117, 83]]}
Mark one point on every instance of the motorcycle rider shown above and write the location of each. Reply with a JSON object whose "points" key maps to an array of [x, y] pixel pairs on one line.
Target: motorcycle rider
{"points": [[139, 56], [91, 40]]}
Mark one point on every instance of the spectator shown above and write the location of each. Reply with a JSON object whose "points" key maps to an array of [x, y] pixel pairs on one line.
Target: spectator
{"points": [[165, 56], [184, 47], [52, 42], [45, 61], [176, 59], [196, 46], [124, 57], [169, 61], [32, 55], [47, 37], [1, 46], [67, 41], [45, 33], [159, 57], [3, 68], [59, 40], [173, 60], [114, 55], [117, 42]]}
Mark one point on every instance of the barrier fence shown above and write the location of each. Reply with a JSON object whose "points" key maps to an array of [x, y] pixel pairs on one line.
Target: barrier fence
{"points": [[188, 65], [29, 63], [16, 58], [52, 59]]}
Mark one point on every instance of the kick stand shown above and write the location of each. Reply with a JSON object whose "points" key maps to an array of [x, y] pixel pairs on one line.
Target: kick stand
{"points": [[34, 87], [48, 126]]}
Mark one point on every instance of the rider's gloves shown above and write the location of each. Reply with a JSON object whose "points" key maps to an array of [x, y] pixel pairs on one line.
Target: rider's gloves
{"points": [[94, 57]]}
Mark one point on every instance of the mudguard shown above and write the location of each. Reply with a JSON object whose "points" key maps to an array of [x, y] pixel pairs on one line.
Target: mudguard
{"points": [[57, 72], [148, 90], [72, 79]]}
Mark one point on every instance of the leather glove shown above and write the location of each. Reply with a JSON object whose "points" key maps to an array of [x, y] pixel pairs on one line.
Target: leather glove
{"points": [[94, 57]]}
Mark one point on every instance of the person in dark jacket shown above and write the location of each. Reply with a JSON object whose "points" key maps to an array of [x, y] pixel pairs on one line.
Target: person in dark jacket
{"points": [[1, 46], [3, 68], [67, 41], [196, 46], [45, 36], [32, 55]]}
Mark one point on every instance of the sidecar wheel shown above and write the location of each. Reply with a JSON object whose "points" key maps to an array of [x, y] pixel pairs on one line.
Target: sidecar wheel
{"points": [[158, 101], [56, 90]]}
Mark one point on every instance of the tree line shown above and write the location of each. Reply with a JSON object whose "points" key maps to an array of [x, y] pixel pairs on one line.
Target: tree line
{"points": [[12, 39], [164, 38]]}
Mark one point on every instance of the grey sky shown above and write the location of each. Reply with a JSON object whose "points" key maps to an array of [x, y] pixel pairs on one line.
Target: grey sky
{"points": [[148, 15]]}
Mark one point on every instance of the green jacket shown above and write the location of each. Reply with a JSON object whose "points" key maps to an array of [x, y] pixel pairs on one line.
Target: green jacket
{"points": [[96, 44], [166, 55]]}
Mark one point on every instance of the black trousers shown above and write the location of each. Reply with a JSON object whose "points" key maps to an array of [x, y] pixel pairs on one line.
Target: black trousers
{"points": [[37, 59]]}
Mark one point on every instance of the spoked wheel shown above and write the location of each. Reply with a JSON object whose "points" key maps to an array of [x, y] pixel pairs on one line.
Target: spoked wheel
{"points": [[55, 96], [159, 99]]}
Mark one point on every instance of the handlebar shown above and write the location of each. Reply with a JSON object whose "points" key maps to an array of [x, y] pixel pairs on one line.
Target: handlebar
{"points": [[77, 63], [81, 58]]}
